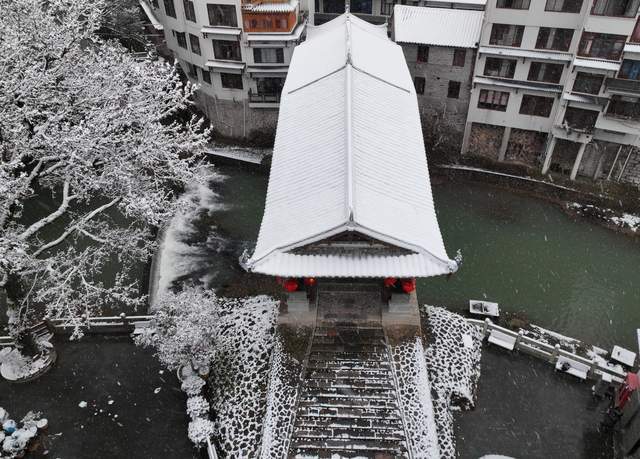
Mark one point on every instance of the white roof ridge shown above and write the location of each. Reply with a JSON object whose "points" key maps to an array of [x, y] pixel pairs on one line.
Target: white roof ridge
{"points": [[348, 121]]}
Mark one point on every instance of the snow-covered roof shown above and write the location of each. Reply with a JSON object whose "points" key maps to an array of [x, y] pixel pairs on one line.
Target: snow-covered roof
{"points": [[437, 26], [272, 7], [528, 53], [349, 158], [597, 64]]}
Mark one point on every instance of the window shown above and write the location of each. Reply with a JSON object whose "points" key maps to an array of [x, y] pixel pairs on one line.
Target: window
{"points": [[206, 76], [454, 90], [506, 35], [226, 50], [493, 100], [182, 39], [548, 73], [536, 105], [169, 8], [635, 35], [626, 8], [423, 53], [564, 6], [496, 67], [630, 70], [419, 83], [581, 119], [588, 83], [231, 80], [191, 70], [222, 15], [270, 86], [360, 6], [513, 4], [268, 55], [189, 10], [601, 45], [556, 39], [624, 107], [459, 56], [194, 41], [333, 6]]}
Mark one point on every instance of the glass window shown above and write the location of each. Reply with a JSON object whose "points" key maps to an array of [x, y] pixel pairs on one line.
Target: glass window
{"points": [[419, 83], [268, 55], [624, 107], [194, 41], [493, 100], [459, 57], [601, 45], [453, 92], [423, 53], [270, 85], [625, 8], [226, 50], [536, 105], [360, 6], [181, 38], [630, 70], [564, 6], [513, 4], [231, 80], [588, 83], [189, 10], [169, 8], [206, 76], [548, 73], [506, 35], [222, 15], [556, 39], [581, 119], [496, 67]]}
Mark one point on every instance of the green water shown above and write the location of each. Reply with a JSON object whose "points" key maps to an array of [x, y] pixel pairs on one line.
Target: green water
{"points": [[568, 275]]}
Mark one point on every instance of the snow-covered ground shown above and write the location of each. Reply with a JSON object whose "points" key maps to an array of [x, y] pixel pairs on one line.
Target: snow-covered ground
{"points": [[623, 220]]}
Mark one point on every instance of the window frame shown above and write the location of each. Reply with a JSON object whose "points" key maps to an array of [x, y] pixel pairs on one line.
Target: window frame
{"points": [[218, 51], [170, 11], [422, 54], [587, 76], [211, 12], [419, 84], [189, 10], [512, 7], [545, 68], [490, 102], [530, 104], [546, 6], [181, 39], [225, 78], [511, 63], [517, 34], [453, 90], [553, 36], [459, 57], [589, 39], [193, 48], [204, 72], [258, 58], [609, 2]]}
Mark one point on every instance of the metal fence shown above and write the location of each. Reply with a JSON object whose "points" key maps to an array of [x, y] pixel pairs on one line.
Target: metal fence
{"points": [[548, 352]]}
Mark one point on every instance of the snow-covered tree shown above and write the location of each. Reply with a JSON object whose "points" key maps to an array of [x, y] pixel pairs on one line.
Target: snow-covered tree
{"points": [[106, 136]]}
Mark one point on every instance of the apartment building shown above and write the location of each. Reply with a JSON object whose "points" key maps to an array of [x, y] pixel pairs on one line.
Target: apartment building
{"points": [[440, 47], [557, 87], [237, 51]]}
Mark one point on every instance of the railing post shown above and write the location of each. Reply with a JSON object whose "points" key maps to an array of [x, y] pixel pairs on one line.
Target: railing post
{"points": [[485, 327], [593, 368], [555, 353], [518, 338], [123, 318]]}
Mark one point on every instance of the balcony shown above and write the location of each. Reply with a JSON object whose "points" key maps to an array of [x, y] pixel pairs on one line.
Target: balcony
{"points": [[263, 99], [321, 18], [623, 85], [580, 120]]}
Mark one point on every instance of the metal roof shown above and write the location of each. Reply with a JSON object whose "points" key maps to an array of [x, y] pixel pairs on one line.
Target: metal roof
{"points": [[272, 7], [437, 26], [349, 157]]}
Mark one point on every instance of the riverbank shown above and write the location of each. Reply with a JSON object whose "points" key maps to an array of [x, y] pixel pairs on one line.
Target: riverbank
{"points": [[617, 207]]}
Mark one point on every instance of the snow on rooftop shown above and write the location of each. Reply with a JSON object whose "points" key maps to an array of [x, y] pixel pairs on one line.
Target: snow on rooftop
{"points": [[349, 157], [272, 7], [437, 26]]}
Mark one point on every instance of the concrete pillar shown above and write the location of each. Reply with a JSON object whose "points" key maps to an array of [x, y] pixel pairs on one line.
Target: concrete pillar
{"points": [[465, 138], [576, 165], [548, 154], [505, 142]]}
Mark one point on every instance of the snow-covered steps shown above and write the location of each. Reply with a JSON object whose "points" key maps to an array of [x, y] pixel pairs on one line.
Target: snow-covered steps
{"points": [[348, 402]]}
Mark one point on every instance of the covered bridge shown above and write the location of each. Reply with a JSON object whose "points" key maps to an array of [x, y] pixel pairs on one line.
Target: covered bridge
{"points": [[349, 192]]}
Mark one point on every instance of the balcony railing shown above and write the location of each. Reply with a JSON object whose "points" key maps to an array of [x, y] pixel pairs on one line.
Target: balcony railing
{"points": [[623, 85], [264, 97]]}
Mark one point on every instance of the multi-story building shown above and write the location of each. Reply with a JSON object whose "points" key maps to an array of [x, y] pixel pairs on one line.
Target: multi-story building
{"points": [[440, 47], [237, 51], [556, 86]]}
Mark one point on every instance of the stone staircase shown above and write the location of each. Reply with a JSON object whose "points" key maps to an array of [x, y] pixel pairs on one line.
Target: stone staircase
{"points": [[348, 404]]}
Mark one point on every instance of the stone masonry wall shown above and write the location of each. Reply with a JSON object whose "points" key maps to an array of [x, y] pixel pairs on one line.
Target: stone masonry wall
{"points": [[437, 72], [526, 147], [237, 119], [485, 139], [631, 173]]}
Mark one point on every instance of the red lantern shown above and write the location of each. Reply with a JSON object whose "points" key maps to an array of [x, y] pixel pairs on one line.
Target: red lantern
{"points": [[290, 285], [309, 281], [408, 285], [390, 282]]}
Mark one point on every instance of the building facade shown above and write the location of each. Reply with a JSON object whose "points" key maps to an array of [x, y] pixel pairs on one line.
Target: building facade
{"points": [[237, 52], [557, 87], [440, 48]]}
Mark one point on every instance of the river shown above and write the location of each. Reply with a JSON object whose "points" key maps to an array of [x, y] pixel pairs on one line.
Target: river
{"points": [[572, 276]]}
